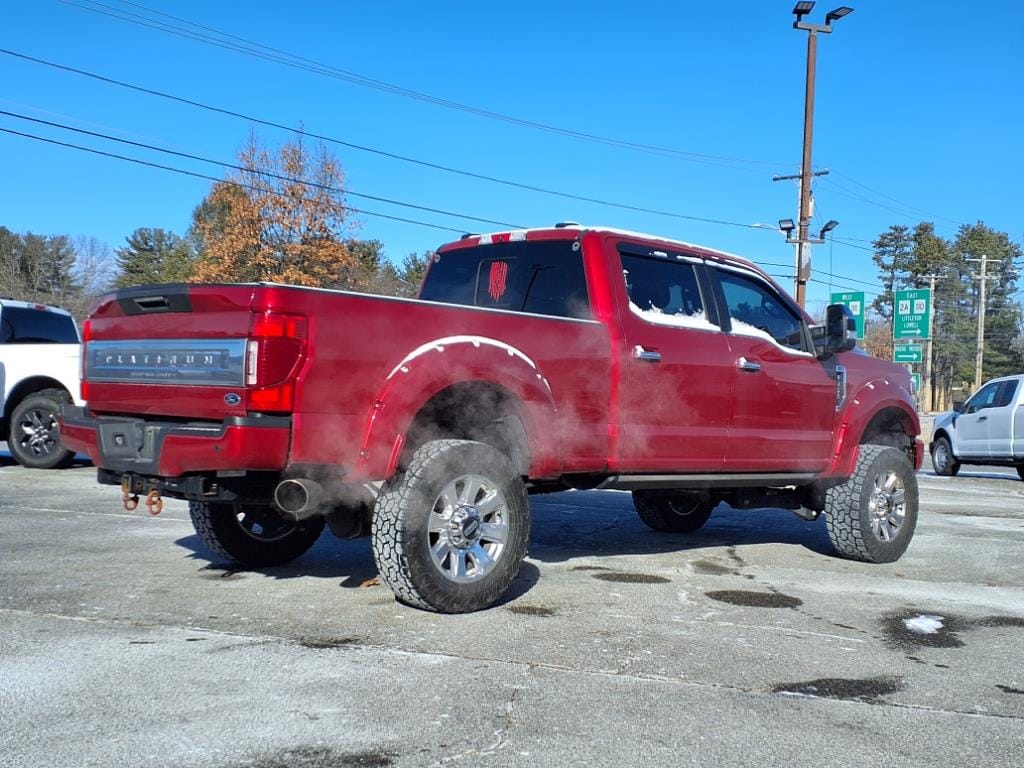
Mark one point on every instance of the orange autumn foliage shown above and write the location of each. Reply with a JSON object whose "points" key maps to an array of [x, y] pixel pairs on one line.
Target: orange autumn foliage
{"points": [[282, 219]]}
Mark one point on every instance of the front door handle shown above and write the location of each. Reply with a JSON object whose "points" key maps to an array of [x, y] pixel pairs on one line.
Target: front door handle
{"points": [[750, 366], [982, 418], [650, 355]]}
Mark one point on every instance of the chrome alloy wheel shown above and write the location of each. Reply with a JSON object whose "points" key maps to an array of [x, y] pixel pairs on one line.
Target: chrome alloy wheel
{"points": [[468, 528], [887, 506], [37, 432], [940, 458]]}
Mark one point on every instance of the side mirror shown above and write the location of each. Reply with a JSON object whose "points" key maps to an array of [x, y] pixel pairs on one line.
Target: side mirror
{"points": [[958, 406], [839, 334]]}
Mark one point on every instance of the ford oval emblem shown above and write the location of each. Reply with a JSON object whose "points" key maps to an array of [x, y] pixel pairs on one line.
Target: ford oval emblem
{"points": [[232, 399]]}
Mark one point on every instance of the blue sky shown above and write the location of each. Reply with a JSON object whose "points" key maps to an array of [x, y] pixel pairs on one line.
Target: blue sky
{"points": [[918, 116]]}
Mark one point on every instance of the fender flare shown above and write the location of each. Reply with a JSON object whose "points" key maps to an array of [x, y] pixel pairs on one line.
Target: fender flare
{"points": [[867, 402], [436, 366]]}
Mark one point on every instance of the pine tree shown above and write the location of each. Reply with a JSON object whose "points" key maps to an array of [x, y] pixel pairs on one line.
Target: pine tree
{"points": [[153, 256]]}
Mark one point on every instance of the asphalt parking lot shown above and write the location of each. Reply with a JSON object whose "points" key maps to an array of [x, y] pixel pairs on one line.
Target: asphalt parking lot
{"points": [[125, 643]]}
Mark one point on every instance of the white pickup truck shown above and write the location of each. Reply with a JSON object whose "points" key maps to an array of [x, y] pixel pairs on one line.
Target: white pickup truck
{"points": [[40, 365], [987, 429]]}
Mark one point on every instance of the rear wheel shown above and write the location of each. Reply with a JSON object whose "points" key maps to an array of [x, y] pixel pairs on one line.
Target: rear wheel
{"points": [[872, 515], [255, 535], [34, 438], [943, 460], [450, 533], [1020, 471], [672, 512]]}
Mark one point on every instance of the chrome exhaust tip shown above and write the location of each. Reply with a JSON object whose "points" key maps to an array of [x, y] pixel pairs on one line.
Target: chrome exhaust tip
{"points": [[298, 497]]}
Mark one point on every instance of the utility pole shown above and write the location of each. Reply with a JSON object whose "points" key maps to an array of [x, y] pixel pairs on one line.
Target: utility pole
{"points": [[803, 240], [980, 355], [928, 396], [803, 247]]}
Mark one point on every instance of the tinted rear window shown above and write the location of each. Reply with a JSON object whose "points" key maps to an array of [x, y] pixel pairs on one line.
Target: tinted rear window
{"points": [[545, 278], [19, 325]]}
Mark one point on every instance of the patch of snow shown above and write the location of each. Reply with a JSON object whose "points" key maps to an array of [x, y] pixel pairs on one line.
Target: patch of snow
{"points": [[745, 329], [654, 315], [923, 624]]}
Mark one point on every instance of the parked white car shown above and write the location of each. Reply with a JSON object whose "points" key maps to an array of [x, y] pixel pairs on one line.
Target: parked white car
{"points": [[40, 363], [987, 429]]}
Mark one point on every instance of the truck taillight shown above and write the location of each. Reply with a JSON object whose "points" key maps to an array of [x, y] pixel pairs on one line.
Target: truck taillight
{"points": [[274, 354], [86, 337]]}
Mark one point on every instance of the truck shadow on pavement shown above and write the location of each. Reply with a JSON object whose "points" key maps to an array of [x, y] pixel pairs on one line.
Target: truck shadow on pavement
{"points": [[601, 524], [566, 526]]}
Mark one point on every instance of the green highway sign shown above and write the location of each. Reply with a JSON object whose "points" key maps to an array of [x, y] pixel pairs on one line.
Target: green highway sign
{"points": [[855, 303], [912, 311], [907, 353]]}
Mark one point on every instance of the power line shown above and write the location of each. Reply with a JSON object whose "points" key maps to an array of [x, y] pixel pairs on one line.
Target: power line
{"points": [[893, 199], [270, 174], [280, 56], [373, 150], [197, 175]]}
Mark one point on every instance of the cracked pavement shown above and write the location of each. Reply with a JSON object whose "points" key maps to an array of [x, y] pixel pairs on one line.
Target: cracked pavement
{"points": [[125, 642]]}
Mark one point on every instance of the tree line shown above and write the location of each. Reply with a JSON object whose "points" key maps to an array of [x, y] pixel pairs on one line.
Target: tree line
{"points": [[909, 257], [280, 217]]}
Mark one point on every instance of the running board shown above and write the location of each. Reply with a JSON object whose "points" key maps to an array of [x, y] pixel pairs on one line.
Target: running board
{"points": [[700, 482]]}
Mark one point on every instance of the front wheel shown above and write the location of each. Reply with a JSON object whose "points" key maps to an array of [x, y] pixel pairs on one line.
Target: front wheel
{"points": [[34, 439], [254, 535], [450, 532], [943, 460], [672, 513], [872, 516], [1020, 471]]}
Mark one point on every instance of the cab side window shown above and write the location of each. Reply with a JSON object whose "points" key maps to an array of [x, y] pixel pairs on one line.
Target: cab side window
{"points": [[985, 398], [664, 291], [1007, 394], [756, 310]]}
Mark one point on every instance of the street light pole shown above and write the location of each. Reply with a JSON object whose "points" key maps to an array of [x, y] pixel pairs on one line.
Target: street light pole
{"points": [[803, 261], [803, 240]]}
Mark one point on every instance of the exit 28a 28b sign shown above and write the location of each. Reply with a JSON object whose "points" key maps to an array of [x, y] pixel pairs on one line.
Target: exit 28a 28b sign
{"points": [[912, 311]]}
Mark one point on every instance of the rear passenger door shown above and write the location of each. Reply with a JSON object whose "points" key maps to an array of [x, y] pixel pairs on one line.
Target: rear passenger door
{"points": [[675, 381], [784, 402]]}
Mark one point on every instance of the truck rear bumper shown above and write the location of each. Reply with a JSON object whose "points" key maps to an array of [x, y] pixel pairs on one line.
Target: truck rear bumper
{"points": [[171, 449]]}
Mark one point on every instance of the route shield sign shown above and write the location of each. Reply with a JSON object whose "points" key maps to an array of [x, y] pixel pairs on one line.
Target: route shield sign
{"points": [[913, 308], [855, 303], [907, 353]]}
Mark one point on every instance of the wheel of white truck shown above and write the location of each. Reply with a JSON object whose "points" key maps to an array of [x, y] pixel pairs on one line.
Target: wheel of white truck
{"points": [[943, 460], [1020, 471], [254, 535], [34, 439], [872, 515], [450, 533], [672, 513]]}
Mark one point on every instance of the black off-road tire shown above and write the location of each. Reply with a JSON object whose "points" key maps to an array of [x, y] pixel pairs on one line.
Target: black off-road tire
{"points": [[406, 506], [943, 461], [253, 536], [672, 513], [38, 412], [1020, 471], [849, 511]]}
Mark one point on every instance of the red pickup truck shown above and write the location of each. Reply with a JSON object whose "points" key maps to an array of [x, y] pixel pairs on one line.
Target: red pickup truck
{"points": [[532, 361]]}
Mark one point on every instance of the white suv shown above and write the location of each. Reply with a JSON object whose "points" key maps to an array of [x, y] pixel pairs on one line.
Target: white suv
{"points": [[40, 354]]}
